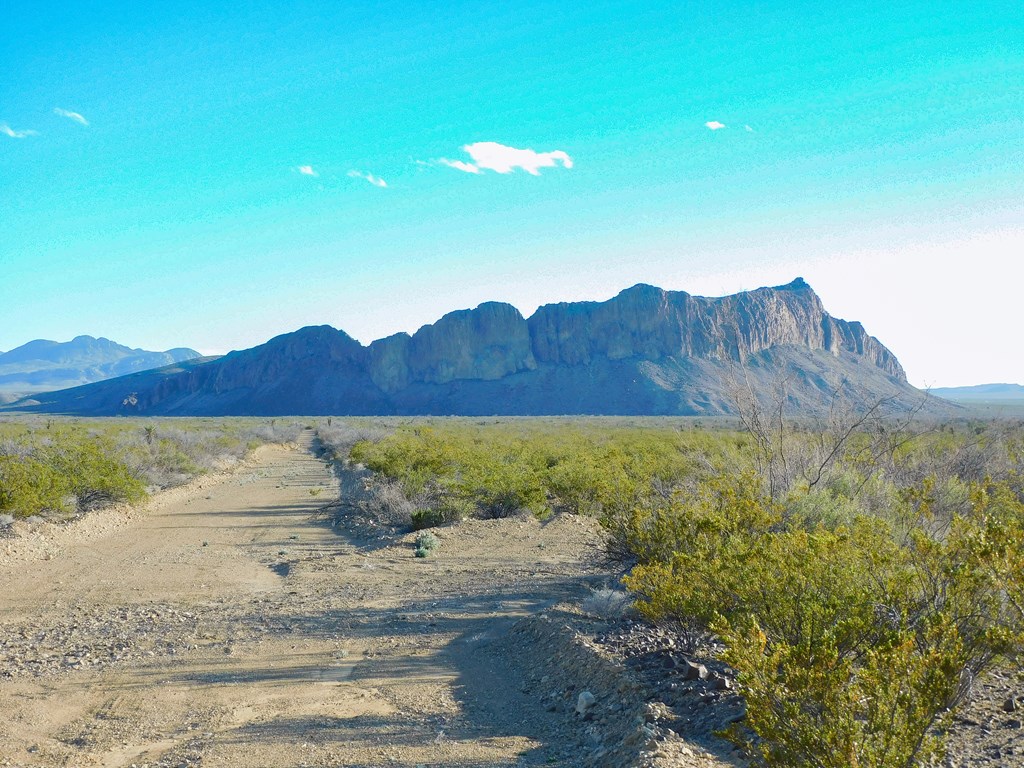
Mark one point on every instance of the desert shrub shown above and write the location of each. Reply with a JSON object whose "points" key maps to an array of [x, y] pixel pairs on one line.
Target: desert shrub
{"points": [[426, 543], [64, 473], [695, 521], [820, 507], [92, 471], [337, 436], [436, 506], [504, 488], [608, 603], [389, 504], [277, 431], [496, 470], [66, 465], [29, 486], [851, 643]]}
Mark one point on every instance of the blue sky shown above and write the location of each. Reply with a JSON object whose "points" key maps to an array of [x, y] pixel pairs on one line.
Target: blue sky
{"points": [[211, 176]]}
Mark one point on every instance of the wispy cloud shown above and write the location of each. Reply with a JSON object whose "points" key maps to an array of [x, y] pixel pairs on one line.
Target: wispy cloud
{"points": [[491, 156], [714, 125], [70, 115], [377, 181], [6, 130], [459, 165], [306, 170], [748, 129]]}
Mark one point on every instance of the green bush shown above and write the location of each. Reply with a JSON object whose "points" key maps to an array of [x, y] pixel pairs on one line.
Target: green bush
{"points": [[62, 466], [498, 470], [430, 518], [30, 487], [92, 471], [851, 644], [426, 543]]}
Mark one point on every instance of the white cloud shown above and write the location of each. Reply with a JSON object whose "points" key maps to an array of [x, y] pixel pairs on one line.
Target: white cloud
{"points": [[70, 115], [714, 125], [8, 131], [491, 156], [307, 170], [748, 129], [377, 181], [459, 165]]}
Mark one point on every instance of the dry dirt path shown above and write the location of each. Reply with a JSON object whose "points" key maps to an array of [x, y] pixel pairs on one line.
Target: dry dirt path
{"points": [[230, 626]]}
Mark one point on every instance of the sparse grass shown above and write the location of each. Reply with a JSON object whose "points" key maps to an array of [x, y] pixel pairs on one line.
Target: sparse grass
{"points": [[60, 467]]}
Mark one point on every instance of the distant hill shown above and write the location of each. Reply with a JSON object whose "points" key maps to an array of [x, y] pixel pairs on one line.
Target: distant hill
{"points": [[988, 393], [645, 351], [43, 365]]}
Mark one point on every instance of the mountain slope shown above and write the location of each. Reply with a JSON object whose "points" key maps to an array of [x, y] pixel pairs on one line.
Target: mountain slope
{"points": [[43, 365], [645, 351], [982, 393]]}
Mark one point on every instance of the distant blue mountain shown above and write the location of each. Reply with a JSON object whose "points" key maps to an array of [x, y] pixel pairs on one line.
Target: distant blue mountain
{"points": [[43, 365], [981, 392]]}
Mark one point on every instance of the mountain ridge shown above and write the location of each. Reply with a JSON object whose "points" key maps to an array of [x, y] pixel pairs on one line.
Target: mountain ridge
{"points": [[44, 365], [994, 392], [646, 350]]}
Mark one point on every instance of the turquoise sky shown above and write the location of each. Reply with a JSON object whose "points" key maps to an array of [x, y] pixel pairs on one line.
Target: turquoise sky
{"points": [[200, 175]]}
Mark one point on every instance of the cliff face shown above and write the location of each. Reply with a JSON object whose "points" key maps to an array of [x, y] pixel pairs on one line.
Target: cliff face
{"points": [[646, 350], [486, 343], [651, 323]]}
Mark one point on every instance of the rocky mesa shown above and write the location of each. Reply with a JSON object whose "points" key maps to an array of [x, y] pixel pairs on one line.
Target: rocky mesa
{"points": [[645, 351]]}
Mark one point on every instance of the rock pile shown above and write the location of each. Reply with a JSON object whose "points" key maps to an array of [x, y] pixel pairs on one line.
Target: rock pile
{"points": [[618, 718]]}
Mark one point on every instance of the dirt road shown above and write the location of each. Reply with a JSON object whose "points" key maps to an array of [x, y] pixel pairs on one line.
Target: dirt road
{"points": [[227, 625]]}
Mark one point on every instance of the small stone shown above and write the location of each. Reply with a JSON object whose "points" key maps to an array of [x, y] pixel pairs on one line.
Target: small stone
{"points": [[693, 671], [1010, 705], [720, 682], [584, 702]]}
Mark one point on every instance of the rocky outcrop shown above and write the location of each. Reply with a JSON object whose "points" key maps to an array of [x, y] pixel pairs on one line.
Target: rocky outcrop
{"points": [[651, 323], [487, 343], [645, 351]]}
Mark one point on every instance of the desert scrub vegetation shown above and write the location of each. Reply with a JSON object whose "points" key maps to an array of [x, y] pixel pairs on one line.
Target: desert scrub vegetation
{"points": [[426, 543], [852, 643], [62, 467], [449, 471], [858, 572], [860, 578], [337, 436]]}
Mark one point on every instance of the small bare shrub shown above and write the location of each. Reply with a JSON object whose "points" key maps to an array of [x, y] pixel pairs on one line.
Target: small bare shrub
{"points": [[274, 432], [337, 439], [389, 504], [608, 603]]}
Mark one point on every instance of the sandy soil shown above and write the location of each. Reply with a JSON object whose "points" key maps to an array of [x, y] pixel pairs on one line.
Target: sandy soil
{"points": [[230, 625]]}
